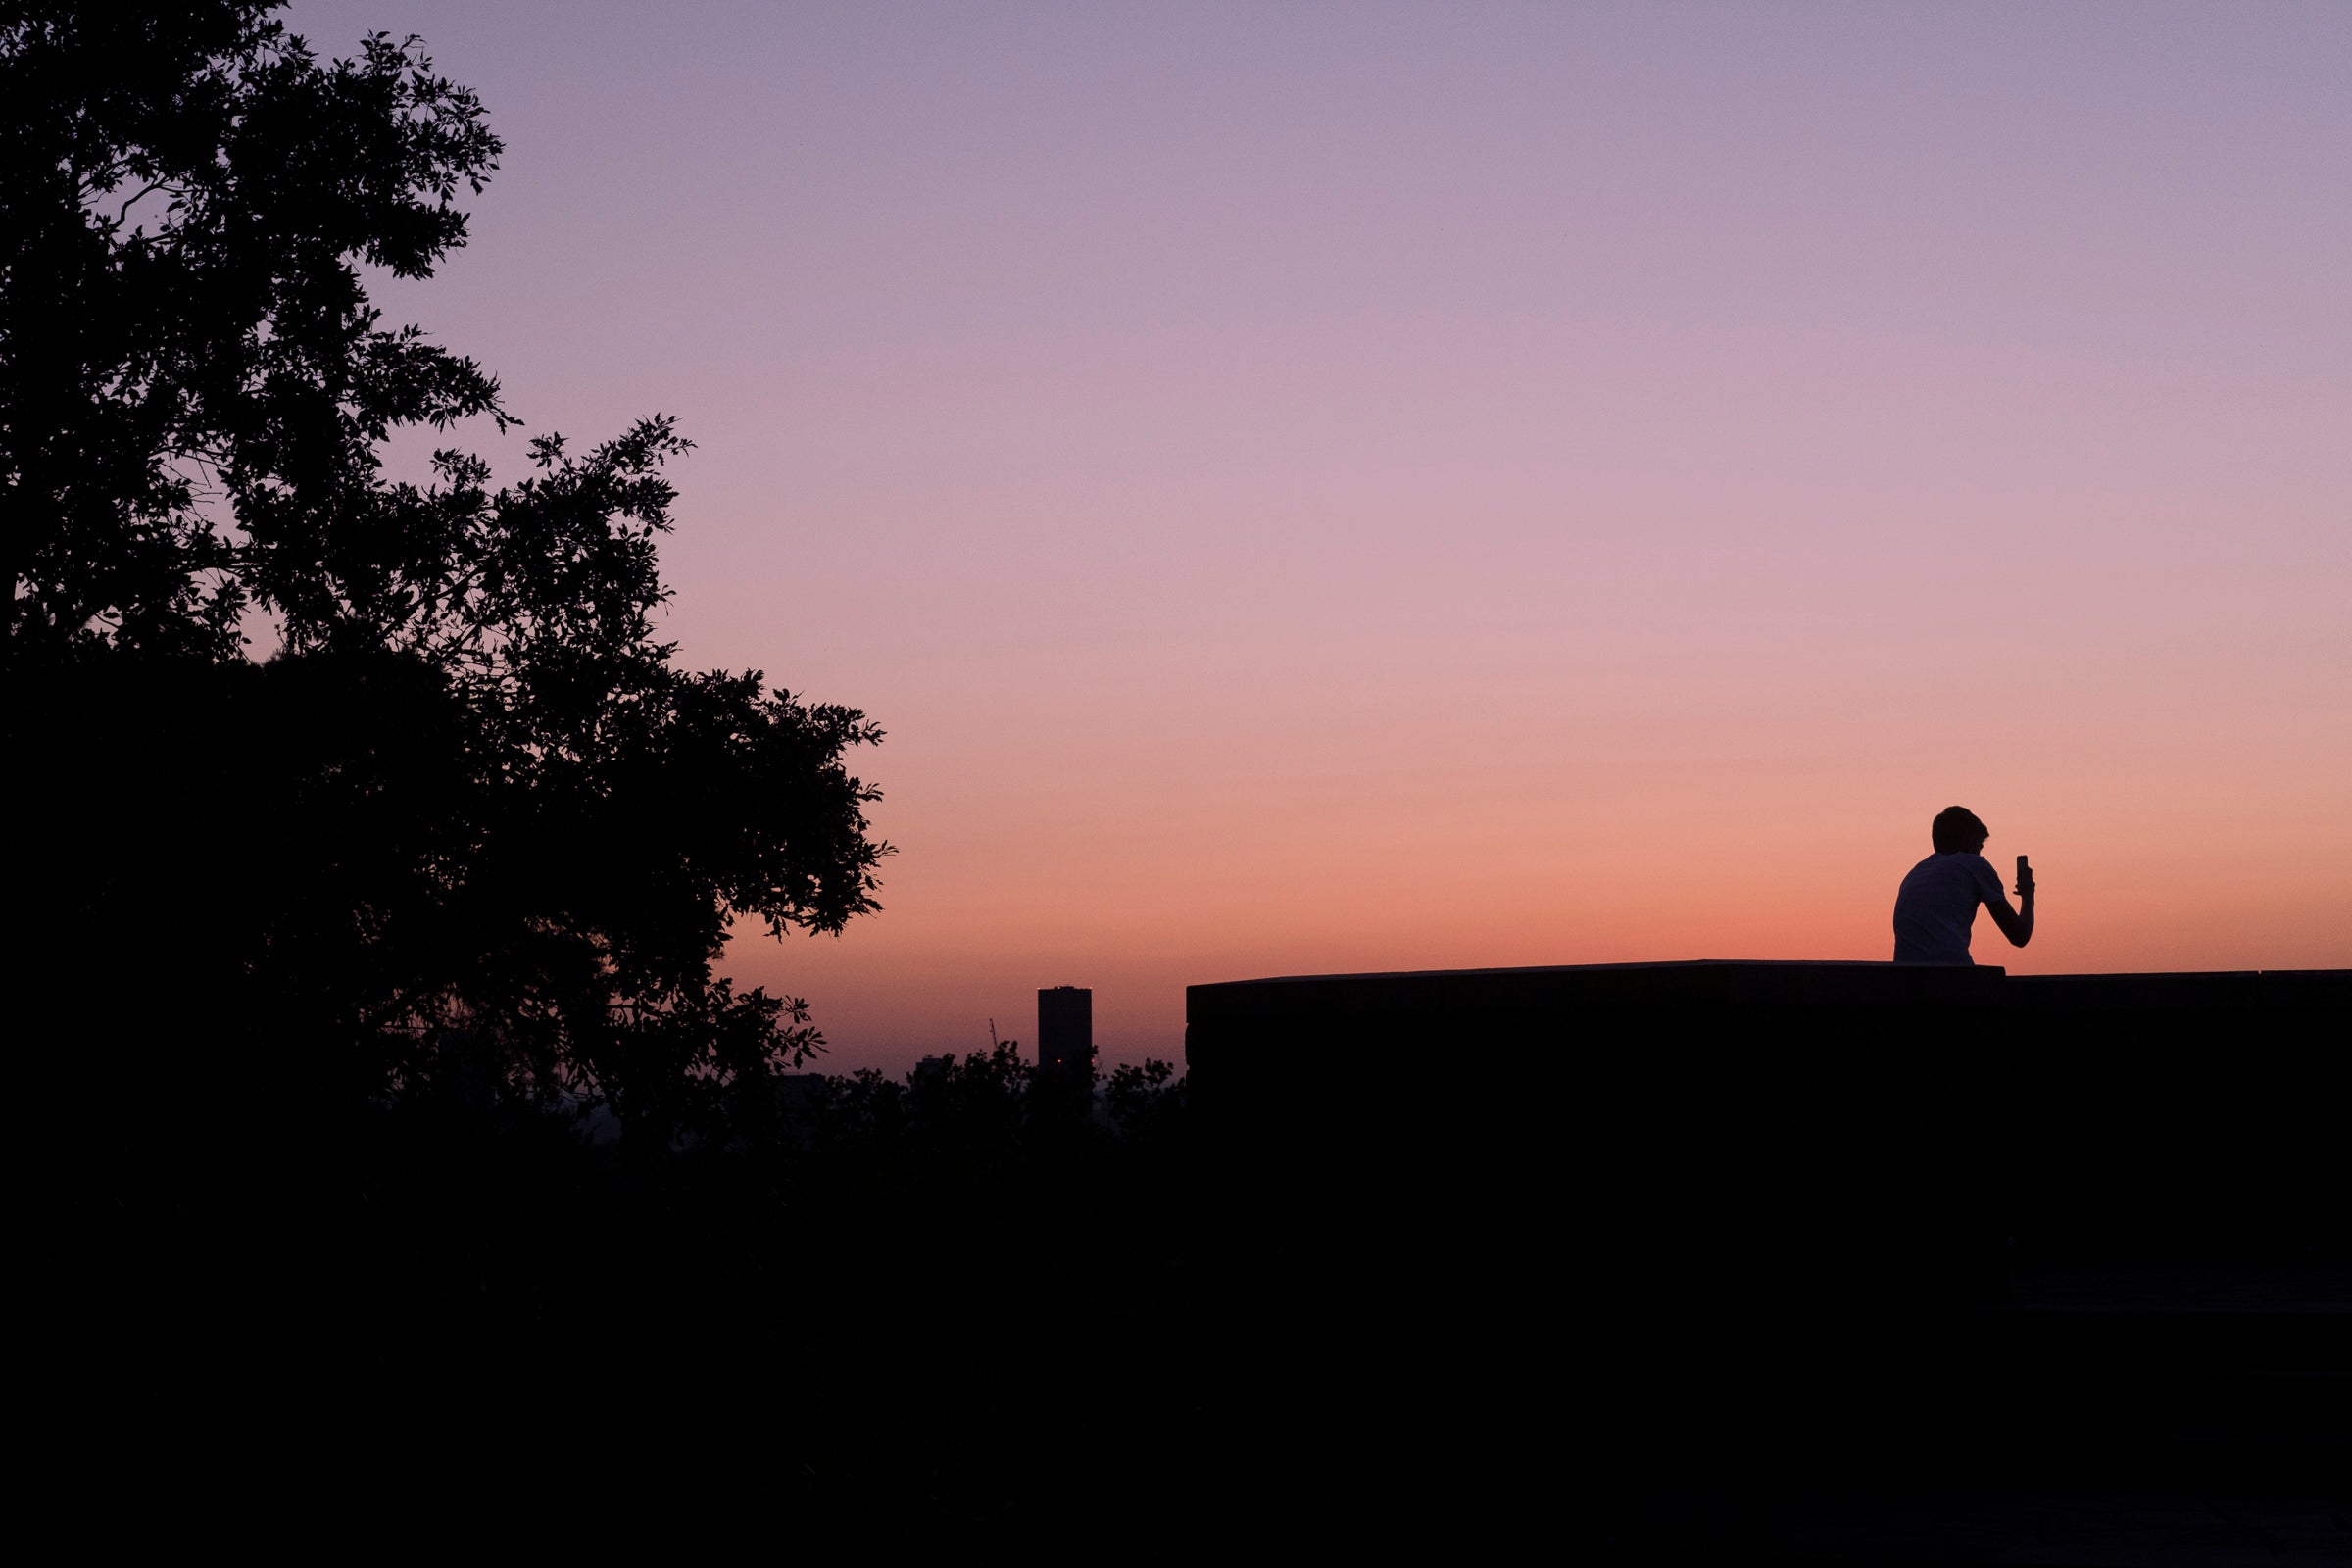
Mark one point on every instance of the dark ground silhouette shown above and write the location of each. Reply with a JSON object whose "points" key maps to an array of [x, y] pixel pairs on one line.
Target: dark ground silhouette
{"points": [[959, 1318]]}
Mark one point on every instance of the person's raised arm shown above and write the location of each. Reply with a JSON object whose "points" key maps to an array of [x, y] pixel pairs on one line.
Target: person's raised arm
{"points": [[2016, 924]]}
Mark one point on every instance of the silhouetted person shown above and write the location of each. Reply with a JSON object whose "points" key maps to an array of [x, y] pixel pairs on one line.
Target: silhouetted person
{"points": [[1936, 907]]}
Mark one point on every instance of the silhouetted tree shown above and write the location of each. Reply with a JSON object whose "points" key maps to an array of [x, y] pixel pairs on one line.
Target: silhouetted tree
{"points": [[1145, 1100], [467, 807]]}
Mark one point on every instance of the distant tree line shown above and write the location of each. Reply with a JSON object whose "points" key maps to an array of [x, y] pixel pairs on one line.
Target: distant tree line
{"points": [[990, 1097]]}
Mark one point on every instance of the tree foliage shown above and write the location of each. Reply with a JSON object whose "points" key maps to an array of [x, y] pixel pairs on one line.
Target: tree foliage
{"points": [[467, 795]]}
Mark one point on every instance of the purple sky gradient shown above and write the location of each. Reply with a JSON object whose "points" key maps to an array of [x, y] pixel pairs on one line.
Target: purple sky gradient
{"points": [[1350, 487]]}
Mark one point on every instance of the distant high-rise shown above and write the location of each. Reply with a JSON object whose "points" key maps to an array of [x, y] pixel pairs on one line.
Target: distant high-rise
{"points": [[1066, 1026]]}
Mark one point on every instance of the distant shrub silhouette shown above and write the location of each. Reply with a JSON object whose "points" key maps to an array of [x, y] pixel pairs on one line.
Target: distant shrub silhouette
{"points": [[1146, 1099], [467, 795], [993, 1100]]}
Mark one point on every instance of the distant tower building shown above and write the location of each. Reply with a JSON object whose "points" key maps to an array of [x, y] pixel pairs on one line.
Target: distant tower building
{"points": [[1065, 1027]]}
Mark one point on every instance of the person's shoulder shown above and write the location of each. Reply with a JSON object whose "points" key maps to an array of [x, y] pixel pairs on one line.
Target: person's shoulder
{"points": [[1980, 868]]}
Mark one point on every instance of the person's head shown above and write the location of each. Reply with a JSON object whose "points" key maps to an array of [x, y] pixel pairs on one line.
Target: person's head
{"points": [[1957, 830]]}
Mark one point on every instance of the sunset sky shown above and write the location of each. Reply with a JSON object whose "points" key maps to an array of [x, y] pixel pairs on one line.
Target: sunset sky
{"points": [[1350, 487]]}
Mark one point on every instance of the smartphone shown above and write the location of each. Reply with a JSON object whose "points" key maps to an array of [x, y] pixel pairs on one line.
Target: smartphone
{"points": [[2025, 874]]}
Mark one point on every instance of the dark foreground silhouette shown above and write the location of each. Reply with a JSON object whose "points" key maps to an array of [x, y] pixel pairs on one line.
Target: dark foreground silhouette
{"points": [[1637, 1264]]}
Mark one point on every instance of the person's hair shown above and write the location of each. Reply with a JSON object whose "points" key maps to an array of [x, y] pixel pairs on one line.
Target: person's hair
{"points": [[1958, 828]]}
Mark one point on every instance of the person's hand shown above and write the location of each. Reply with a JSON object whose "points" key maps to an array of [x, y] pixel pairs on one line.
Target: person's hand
{"points": [[2025, 884]]}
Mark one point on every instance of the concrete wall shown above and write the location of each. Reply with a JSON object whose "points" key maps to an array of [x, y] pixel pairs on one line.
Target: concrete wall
{"points": [[1780, 1132], [2171, 1111]]}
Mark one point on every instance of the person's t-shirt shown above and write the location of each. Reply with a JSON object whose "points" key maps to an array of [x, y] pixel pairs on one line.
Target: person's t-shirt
{"points": [[1936, 907]]}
